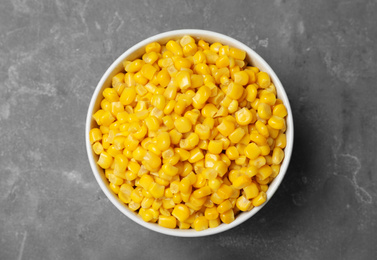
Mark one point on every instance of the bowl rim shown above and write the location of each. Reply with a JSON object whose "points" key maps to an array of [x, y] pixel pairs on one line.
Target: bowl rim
{"points": [[196, 33]]}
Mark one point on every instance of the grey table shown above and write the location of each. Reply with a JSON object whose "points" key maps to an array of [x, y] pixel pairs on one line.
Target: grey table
{"points": [[53, 53]]}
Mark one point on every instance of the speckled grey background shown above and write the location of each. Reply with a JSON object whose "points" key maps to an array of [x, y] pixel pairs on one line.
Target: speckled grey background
{"points": [[53, 53]]}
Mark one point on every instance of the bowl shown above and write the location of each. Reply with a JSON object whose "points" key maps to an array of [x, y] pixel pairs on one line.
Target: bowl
{"points": [[135, 52]]}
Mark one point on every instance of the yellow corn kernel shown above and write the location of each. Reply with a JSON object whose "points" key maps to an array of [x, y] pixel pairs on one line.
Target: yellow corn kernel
{"points": [[227, 217], [281, 141], [167, 221], [119, 142], [244, 116], [114, 188], [163, 141], [243, 204], [210, 122], [202, 69], [264, 172], [220, 168], [129, 79], [222, 61], [263, 79], [95, 135], [153, 47], [151, 161], [237, 135], [183, 79], [225, 191], [258, 138], [252, 75], [226, 127], [117, 79], [200, 223], [251, 191], [215, 183], [140, 133], [183, 125], [181, 63], [190, 49], [115, 179], [175, 136], [196, 155], [251, 91], [105, 118], [264, 110], [134, 66], [209, 110], [185, 186], [233, 107], [150, 57], [265, 150], [169, 169], [157, 190], [262, 129], [203, 131], [116, 107], [215, 146], [180, 107], [211, 56], [105, 160], [120, 164], [146, 181], [140, 79], [241, 182], [125, 192], [128, 96], [158, 101], [152, 147], [260, 199], [110, 95], [252, 151], [152, 123], [181, 212], [237, 53], [97, 148], [267, 97], [241, 77], [234, 90], [232, 153], [258, 162], [277, 155], [276, 122], [202, 95], [279, 110], [174, 47], [224, 206], [211, 213], [202, 192], [199, 57], [213, 223], [163, 77]]}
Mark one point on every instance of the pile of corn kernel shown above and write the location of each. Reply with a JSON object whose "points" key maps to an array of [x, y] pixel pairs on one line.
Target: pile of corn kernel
{"points": [[189, 135]]}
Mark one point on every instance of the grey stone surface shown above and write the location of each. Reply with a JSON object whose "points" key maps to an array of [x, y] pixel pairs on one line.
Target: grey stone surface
{"points": [[53, 53]]}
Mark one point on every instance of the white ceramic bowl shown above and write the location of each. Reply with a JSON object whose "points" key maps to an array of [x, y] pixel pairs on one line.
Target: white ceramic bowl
{"points": [[135, 52]]}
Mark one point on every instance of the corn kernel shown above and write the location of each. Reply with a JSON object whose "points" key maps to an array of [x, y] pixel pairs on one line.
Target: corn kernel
{"points": [[227, 217], [174, 47], [276, 122], [226, 127], [263, 79], [183, 125], [237, 53], [260, 199], [167, 221], [243, 204]]}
